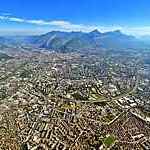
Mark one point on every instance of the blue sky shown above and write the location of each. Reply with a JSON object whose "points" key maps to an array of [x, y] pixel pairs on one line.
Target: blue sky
{"points": [[39, 16]]}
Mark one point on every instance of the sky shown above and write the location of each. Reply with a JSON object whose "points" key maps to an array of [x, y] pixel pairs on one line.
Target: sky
{"points": [[28, 17]]}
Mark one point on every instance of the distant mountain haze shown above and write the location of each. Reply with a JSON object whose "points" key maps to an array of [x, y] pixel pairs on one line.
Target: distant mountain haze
{"points": [[80, 41]]}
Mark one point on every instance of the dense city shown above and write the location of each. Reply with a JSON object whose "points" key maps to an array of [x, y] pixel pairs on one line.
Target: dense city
{"points": [[74, 101]]}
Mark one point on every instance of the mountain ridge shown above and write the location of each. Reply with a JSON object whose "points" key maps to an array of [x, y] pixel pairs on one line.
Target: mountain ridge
{"points": [[80, 41]]}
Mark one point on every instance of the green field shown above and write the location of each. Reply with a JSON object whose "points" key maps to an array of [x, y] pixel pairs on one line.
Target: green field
{"points": [[108, 141]]}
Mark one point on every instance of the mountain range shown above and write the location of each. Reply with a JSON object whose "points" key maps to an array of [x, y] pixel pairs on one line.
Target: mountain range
{"points": [[72, 41], [4, 56], [81, 41]]}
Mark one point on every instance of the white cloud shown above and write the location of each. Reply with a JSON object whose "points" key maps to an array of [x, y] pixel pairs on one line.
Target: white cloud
{"points": [[138, 31], [68, 26], [6, 14], [2, 17], [15, 19], [37, 22]]}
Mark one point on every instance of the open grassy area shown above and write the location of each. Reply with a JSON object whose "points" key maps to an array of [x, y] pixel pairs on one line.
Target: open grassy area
{"points": [[108, 141]]}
